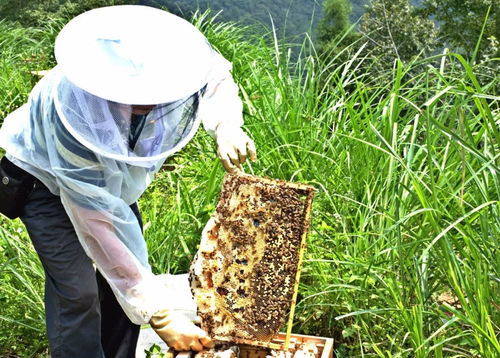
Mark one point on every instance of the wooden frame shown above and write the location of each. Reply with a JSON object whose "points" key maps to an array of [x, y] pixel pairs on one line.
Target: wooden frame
{"points": [[256, 350]]}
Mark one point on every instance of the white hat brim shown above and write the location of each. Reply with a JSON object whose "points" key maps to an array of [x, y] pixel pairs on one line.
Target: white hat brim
{"points": [[134, 54]]}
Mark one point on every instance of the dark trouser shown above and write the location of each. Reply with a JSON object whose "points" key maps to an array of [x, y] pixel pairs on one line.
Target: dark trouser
{"points": [[82, 315]]}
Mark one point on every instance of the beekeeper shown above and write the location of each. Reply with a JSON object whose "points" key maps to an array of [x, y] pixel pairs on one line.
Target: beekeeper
{"points": [[131, 85]]}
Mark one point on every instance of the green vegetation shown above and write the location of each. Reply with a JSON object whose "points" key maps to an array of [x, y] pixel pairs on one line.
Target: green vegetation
{"points": [[290, 17], [408, 31], [39, 12], [403, 250], [360, 6], [462, 21], [334, 30], [395, 31], [23, 51]]}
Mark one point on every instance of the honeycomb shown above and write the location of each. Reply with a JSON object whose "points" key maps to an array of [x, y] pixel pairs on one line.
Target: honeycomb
{"points": [[220, 352], [244, 273]]}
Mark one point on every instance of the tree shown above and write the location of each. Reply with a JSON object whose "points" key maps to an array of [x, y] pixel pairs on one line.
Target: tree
{"points": [[333, 28], [461, 23], [395, 31]]}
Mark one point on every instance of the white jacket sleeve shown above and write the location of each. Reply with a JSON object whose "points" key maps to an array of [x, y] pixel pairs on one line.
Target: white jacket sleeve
{"points": [[110, 234], [220, 103], [96, 192]]}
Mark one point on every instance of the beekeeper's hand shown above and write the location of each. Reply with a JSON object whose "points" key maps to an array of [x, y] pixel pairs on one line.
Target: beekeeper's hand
{"points": [[179, 332], [233, 146]]}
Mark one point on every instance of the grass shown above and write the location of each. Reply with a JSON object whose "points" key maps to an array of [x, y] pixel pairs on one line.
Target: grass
{"points": [[23, 50], [403, 250], [21, 294]]}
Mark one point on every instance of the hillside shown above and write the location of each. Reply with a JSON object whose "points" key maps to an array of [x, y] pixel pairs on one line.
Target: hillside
{"points": [[294, 17], [291, 17], [359, 6]]}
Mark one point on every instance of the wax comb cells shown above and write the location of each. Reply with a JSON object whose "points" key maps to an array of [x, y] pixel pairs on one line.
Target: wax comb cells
{"points": [[243, 276]]}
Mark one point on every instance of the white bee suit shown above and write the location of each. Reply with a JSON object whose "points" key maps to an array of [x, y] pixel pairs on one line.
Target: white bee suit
{"points": [[79, 146]]}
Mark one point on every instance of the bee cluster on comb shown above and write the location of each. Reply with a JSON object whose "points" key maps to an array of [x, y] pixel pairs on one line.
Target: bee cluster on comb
{"points": [[244, 274]]}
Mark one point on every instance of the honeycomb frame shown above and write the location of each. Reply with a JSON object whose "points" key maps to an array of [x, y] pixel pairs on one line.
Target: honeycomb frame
{"points": [[244, 275]]}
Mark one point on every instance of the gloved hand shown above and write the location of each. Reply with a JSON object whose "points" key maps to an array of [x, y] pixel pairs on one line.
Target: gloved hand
{"points": [[178, 332], [233, 146]]}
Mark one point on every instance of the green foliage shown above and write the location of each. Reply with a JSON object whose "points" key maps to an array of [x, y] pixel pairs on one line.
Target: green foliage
{"points": [[406, 224], [395, 31], [401, 260], [333, 32], [402, 257], [21, 293], [461, 25], [359, 7], [23, 50], [154, 351], [290, 17], [38, 12]]}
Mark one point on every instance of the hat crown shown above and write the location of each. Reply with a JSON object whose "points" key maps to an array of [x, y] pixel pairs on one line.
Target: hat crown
{"points": [[124, 55]]}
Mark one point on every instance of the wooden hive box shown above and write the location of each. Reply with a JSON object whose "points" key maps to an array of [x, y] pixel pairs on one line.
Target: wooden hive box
{"points": [[324, 348], [323, 344]]}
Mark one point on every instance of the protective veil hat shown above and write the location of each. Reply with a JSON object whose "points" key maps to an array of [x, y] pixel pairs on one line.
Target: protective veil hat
{"points": [[134, 54]]}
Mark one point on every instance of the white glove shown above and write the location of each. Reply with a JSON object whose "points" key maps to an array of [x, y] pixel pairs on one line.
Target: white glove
{"points": [[233, 146], [179, 332]]}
